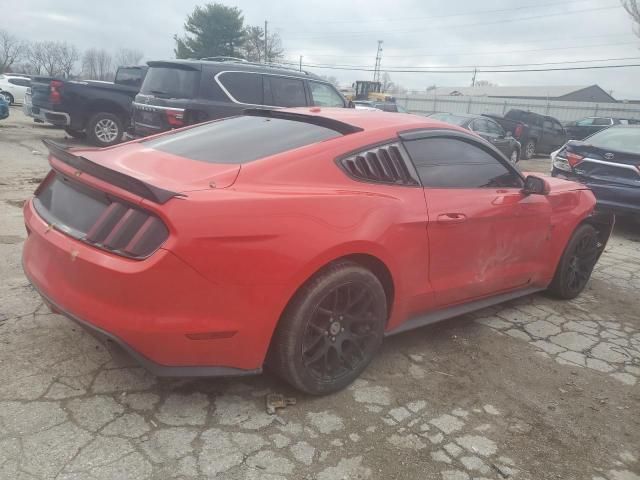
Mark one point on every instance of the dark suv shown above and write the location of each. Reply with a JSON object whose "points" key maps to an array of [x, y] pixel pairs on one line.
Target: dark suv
{"points": [[176, 93]]}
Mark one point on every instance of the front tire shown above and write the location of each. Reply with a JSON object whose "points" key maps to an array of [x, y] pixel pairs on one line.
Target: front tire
{"points": [[576, 264], [104, 129], [331, 330]]}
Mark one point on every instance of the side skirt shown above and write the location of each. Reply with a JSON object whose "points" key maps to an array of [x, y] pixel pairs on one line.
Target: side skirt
{"points": [[457, 310]]}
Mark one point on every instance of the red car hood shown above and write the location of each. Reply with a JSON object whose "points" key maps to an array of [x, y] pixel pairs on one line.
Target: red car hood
{"points": [[163, 170]]}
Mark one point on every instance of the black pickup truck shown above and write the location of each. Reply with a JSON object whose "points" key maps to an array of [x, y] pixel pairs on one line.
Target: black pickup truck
{"points": [[536, 133], [99, 110]]}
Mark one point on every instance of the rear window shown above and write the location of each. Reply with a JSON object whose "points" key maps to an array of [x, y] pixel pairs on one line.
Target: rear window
{"points": [[129, 76], [169, 82], [241, 139], [621, 139]]}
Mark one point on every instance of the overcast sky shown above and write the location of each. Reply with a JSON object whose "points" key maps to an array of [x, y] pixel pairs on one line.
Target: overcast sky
{"points": [[415, 33]]}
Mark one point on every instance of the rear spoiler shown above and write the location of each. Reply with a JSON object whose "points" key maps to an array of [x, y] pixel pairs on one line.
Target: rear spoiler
{"points": [[331, 124], [130, 184]]}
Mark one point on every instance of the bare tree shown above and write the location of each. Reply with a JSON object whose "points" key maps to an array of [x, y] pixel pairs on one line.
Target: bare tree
{"points": [[12, 49], [96, 64], [127, 56], [387, 83], [330, 78], [254, 44], [633, 8], [68, 55]]}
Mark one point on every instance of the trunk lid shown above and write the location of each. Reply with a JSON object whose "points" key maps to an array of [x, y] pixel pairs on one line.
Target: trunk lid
{"points": [[601, 159], [162, 170]]}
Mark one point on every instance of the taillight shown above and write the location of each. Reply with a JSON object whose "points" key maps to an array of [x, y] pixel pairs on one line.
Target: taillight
{"points": [[573, 158], [518, 131], [175, 118], [55, 91]]}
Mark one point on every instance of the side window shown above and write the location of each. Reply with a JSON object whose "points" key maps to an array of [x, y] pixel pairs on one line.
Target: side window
{"points": [[454, 163], [494, 129], [602, 121], [547, 124], [479, 125], [324, 95], [245, 87], [557, 127], [585, 122], [287, 92]]}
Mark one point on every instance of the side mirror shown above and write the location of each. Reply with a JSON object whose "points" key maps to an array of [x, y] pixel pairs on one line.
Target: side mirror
{"points": [[536, 186]]}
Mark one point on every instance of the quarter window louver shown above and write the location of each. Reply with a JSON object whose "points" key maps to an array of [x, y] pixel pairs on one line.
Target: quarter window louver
{"points": [[384, 164]]}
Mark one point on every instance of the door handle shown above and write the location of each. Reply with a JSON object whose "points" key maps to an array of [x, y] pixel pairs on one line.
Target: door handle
{"points": [[451, 218]]}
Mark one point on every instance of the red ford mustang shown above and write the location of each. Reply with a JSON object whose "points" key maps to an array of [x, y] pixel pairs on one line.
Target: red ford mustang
{"points": [[297, 239]]}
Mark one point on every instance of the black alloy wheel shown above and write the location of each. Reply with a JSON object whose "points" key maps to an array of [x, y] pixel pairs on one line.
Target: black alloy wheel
{"points": [[341, 334], [331, 329], [577, 263]]}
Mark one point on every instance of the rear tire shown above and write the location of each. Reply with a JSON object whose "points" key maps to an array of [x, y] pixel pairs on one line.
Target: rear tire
{"points": [[529, 150], [331, 329], [104, 129], [8, 97], [576, 264], [75, 133]]}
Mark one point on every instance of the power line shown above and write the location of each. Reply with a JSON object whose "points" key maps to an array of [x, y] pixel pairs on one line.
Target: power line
{"points": [[475, 12], [547, 40], [499, 66], [592, 67], [462, 54], [571, 12]]}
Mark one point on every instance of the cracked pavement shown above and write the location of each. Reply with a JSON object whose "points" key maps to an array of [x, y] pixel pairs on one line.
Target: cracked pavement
{"points": [[533, 389]]}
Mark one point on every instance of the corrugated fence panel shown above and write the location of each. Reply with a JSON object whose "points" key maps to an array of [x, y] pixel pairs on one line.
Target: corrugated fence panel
{"points": [[562, 110]]}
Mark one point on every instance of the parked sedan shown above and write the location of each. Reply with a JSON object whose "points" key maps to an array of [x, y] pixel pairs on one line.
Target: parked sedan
{"points": [[608, 162], [14, 87], [588, 126], [297, 238], [487, 129]]}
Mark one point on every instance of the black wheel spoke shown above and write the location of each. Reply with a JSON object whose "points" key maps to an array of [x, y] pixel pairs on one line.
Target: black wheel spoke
{"points": [[341, 334]]}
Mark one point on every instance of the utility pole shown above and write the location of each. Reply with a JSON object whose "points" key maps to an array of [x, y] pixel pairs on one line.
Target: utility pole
{"points": [[266, 39], [300, 62], [376, 70], [473, 80]]}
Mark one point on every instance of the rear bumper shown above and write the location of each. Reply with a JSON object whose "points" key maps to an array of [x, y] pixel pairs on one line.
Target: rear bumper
{"points": [[611, 197], [160, 310], [60, 119]]}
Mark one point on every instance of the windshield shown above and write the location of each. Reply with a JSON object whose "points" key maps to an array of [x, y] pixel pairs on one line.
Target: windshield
{"points": [[621, 139], [170, 82], [449, 118]]}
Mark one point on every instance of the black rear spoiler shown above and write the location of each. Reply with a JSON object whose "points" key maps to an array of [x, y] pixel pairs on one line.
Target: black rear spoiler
{"points": [[130, 184], [330, 123]]}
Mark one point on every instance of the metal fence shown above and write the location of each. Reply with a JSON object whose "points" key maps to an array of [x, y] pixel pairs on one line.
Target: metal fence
{"points": [[562, 110]]}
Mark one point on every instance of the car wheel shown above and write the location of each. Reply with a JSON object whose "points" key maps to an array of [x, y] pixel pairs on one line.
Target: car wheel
{"points": [[75, 133], [104, 129], [513, 158], [530, 149], [331, 330], [8, 97], [577, 262]]}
